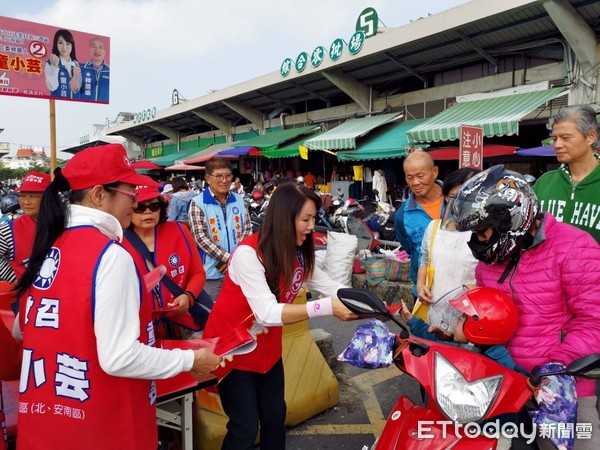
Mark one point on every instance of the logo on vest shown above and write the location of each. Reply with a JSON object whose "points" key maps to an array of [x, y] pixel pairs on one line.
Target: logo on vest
{"points": [[49, 269], [174, 260], [297, 279], [235, 210]]}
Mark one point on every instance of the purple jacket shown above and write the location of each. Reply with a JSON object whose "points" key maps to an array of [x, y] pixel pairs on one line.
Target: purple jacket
{"points": [[556, 288]]}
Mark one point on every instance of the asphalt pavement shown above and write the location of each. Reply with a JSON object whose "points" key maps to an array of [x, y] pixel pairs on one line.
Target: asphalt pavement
{"points": [[366, 398]]}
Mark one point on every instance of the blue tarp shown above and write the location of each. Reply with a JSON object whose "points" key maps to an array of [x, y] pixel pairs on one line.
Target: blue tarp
{"points": [[544, 150]]}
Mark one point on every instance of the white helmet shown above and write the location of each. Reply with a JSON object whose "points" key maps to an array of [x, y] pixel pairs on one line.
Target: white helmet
{"points": [[300, 180]]}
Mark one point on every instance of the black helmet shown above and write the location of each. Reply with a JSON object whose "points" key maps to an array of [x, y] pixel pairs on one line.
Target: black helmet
{"points": [[499, 199], [9, 203]]}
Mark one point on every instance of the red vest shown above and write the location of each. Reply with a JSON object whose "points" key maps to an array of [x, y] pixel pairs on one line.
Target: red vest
{"points": [[171, 249], [23, 232], [67, 401], [232, 310]]}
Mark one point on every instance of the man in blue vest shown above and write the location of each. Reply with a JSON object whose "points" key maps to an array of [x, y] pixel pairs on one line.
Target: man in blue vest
{"points": [[218, 221], [95, 74]]}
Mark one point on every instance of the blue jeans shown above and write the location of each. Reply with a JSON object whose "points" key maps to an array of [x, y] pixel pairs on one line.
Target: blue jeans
{"points": [[249, 398]]}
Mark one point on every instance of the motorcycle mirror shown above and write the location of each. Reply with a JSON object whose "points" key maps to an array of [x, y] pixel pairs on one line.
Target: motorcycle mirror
{"points": [[366, 305], [587, 367]]}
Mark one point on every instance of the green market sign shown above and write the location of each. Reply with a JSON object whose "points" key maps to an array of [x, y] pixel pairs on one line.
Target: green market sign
{"points": [[367, 22], [366, 27]]}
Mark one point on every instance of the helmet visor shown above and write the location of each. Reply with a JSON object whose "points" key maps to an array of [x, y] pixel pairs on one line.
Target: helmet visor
{"points": [[442, 314], [448, 222]]}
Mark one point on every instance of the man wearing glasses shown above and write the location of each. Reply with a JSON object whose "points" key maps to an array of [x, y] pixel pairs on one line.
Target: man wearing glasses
{"points": [[218, 221]]}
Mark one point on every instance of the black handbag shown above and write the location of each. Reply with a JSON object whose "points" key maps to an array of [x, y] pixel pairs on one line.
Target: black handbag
{"points": [[202, 304]]}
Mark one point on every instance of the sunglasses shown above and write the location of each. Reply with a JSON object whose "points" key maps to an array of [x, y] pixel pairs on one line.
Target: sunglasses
{"points": [[153, 207]]}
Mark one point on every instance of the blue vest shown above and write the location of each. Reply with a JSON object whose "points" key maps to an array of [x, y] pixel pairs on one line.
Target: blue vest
{"points": [[64, 89], [94, 85], [225, 230]]}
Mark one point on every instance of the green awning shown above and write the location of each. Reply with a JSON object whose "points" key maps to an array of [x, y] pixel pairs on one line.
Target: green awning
{"points": [[388, 141], [208, 153], [169, 160], [498, 116], [271, 141], [290, 149], [344, 136]]}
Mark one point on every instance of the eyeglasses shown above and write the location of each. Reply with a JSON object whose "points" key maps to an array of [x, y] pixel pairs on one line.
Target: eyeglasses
{"points": [[131, 194], [153, 207], [220, 177]]}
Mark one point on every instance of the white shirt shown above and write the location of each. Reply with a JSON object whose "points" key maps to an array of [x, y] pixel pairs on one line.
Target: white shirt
{"points": [[116, 322], [246, 270], [452, 259]]}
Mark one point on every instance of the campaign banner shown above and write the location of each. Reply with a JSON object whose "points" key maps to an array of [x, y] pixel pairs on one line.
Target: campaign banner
{"points": [[43, 61]]}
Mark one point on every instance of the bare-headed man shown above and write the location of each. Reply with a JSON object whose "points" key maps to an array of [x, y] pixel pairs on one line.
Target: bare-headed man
{"points": [[424, 204], [96, 74]]}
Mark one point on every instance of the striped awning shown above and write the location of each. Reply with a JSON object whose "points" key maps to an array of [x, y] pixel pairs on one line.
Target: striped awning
{"points": [[498, 116], [344, 136], [171, 159], [388, 141], [272, 140], [208, 153], [290, 149]]}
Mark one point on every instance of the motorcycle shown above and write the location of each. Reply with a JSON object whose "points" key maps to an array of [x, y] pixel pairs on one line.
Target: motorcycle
{"points": [[462, 388], [379, 215]]}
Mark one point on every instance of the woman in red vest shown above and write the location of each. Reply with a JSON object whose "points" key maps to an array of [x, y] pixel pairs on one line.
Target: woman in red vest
{"points": [[152, 241], [89, 358], [264, 275], [16, 237]]}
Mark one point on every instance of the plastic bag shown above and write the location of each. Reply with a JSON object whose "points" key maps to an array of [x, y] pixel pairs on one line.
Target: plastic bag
{"points": [[557, 400], [371, 346]]}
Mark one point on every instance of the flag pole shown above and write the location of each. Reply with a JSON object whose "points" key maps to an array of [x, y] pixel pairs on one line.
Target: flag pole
{"points": [[52, 137]]}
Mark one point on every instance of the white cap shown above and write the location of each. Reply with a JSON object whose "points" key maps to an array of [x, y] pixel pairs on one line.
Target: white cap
{"points": [[168, 188]]}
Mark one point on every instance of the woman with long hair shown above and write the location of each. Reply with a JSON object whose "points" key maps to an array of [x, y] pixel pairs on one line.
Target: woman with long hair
{"points": [[63, 73], [265, 273]]}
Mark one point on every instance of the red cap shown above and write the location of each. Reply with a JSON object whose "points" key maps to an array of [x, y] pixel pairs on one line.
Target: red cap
{"points": [[34, 182], [101, 165], [148, 190]]}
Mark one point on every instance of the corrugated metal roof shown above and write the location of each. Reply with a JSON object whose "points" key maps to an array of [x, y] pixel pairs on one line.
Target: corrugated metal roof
{"points": [[424, 48]]}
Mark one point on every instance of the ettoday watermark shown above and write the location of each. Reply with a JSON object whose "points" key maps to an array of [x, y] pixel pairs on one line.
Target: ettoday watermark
{"points": [[496, 429]]}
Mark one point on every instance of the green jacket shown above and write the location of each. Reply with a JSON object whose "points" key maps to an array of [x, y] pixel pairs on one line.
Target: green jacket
{"points": [[579, 205]]}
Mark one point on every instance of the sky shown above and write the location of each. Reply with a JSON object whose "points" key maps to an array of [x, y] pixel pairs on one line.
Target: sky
{"points": [[194, 46]]}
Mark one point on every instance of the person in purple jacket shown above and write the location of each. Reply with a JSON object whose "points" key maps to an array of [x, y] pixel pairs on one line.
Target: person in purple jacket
{"points": [[551, 270]]}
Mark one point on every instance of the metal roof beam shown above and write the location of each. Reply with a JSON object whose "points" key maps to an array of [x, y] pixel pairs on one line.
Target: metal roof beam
{"points": [[406, 67], [132, 137], [214, 119], [575, 29], [250, 114], [274, 100], [168, 132], [467, 40], [308, 91], [358, 92]]}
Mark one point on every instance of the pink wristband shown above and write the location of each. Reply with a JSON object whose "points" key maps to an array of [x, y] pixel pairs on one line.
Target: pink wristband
{"points": [[319, 308]]}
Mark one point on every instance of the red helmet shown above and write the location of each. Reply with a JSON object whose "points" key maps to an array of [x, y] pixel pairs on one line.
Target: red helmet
{"points": [[492, 316], [257, 195]]}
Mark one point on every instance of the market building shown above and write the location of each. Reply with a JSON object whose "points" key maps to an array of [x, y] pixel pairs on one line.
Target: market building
{"points": [[376, 93]]}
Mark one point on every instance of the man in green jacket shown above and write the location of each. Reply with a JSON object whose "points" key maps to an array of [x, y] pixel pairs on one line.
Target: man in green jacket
{"points": [[572, 192]]}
